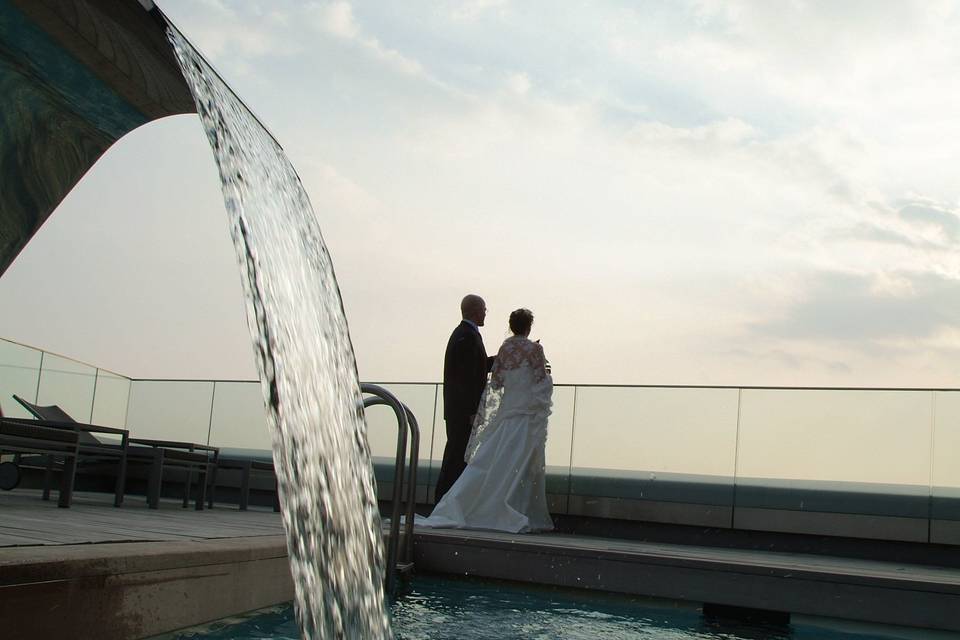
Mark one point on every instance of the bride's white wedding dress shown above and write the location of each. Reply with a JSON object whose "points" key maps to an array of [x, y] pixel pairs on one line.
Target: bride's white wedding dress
{"points": [[503, 487]]}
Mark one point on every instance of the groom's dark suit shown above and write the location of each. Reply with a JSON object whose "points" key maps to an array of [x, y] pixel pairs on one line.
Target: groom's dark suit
{"points": [[465, 367]]}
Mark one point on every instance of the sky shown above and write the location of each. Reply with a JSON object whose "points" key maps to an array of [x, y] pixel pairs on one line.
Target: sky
{"points": [[696, 192]]}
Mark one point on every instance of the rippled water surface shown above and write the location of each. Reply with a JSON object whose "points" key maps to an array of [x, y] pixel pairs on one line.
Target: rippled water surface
{"points": [[466, 609]]}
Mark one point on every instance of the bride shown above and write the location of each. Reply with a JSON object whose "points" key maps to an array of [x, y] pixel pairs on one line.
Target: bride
{"points": [[503, 486]]}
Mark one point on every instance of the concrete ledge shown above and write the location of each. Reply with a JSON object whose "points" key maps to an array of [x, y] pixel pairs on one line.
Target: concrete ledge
{"points": [[108, 591], [834, 587], [385, 492], [849, 525], [704, 515], [901, 501], [945, 531]]}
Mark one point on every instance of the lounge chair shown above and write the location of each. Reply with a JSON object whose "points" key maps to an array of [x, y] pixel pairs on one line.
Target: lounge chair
{"points": [[157, 454], [89, 448], [19, 438]]}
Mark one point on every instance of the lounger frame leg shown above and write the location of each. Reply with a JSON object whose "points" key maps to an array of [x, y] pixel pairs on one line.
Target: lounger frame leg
{"points": [[154, 480], [186, 487], [66, 482], [121, 486], [48, 477], [202, 487], [245, 485], [213, 485]]}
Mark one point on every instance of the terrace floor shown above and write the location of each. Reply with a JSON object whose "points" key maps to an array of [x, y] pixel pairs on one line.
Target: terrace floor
{"points": [[28, 520], [96, 571]]}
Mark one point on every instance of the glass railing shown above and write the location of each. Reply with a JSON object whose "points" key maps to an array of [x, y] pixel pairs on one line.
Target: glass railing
{"points": [[86, 393], [20, 375], [864, 462]]}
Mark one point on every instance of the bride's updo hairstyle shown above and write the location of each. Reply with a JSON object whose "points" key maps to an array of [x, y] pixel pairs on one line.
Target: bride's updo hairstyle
{"points": [[520, 322]]}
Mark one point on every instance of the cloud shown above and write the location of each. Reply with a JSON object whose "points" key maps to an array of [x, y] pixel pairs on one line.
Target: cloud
{"points": [[519, 83], [337, 19], [337, 190], [831, 36], [869, 232], [228, 31], [473, 9], [239, 34], [858, 309], [944, 219], [794, 360], [871, 67]]}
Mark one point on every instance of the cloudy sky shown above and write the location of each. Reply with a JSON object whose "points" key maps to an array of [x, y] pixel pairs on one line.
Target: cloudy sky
{"points": [[697, 192]]}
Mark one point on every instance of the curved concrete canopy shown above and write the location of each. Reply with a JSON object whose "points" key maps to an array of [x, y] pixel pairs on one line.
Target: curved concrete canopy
{"points": [[75, 76]]}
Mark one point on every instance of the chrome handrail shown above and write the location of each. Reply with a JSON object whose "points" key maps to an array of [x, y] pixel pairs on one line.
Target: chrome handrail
{"points": [[405, 420], [411, 483]]}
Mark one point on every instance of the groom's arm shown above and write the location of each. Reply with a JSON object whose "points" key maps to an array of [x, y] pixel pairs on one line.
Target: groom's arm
{"points": [[466, 353], [466, 389], [474, 379]]}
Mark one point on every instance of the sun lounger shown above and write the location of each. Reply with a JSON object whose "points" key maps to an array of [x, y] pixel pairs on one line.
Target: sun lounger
{"points": [[156, 454], [90, 450]]}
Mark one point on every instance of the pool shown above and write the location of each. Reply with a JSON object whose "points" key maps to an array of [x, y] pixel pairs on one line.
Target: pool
{"points": [[446, 608]]}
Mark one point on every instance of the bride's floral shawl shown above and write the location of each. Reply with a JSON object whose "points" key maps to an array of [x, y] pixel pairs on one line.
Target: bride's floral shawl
{"points": [[516, 352]]}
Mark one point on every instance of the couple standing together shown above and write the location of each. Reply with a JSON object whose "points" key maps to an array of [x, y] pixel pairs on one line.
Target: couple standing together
{"points": [[493, 472]]}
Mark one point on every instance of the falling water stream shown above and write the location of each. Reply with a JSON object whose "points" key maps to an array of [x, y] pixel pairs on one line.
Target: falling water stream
{"points": [[307, 369]]}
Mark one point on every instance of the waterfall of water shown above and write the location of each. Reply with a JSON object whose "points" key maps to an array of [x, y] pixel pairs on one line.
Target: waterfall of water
{"points": [[307, 369]]}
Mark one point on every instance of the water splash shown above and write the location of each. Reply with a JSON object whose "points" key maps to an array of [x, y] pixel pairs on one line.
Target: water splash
{"points": [[307, 369]]}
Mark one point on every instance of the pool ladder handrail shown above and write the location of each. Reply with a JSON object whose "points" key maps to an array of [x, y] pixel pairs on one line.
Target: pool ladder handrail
{"points": [[399, 559]]}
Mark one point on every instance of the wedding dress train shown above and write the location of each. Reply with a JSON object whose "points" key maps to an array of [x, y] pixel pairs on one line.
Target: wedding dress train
{"points": [[503, 487]]}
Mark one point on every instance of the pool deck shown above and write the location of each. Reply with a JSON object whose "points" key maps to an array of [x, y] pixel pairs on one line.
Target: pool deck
{"points": [[99, 572], [817, 585], [27, 521], [94, 571]]}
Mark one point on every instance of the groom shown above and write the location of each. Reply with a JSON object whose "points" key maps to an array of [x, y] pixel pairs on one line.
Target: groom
{"points": [[465, 367]]}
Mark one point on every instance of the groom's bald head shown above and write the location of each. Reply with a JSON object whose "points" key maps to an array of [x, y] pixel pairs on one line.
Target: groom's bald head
{"points": [[473, 308]]}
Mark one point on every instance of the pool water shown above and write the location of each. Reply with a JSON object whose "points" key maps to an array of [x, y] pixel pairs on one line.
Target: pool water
{"points": [[444, 608]]}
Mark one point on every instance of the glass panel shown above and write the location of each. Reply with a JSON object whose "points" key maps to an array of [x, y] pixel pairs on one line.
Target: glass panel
{"points": [[382, 430], [660, 444], [844, 451], [170, 410], [110, 399], [68, 384], [439, 441], [19, 374], [857, 436], [945, 478], [239, 418], [559, 441]]}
